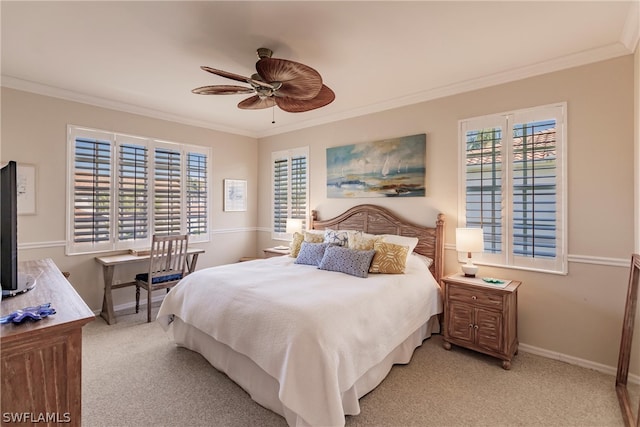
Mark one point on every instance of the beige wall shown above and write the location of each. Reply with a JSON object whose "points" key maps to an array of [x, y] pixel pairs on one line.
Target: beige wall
{"points": [[578, 315], [34, 131]]}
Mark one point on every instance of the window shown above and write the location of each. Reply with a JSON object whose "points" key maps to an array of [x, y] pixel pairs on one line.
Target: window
{"points": [[123, 189], [513, 186], [290, 195]]}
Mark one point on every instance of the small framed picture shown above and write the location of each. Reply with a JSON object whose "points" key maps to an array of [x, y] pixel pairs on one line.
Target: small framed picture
{"points": [[26, 183], [235, 195]]}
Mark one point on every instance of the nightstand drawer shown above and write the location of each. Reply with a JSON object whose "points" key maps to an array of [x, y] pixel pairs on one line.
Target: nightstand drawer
{"points": [[472, 296]]}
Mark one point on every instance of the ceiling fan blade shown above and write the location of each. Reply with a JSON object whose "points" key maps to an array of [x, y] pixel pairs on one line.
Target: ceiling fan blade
{"points": [[256, 103], [236, 77], [222, 90], [325, 97], [299, 81], [221, 73]]}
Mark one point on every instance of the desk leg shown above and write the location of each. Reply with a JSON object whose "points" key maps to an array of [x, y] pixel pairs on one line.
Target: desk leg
{"points": [[191, 265], [107, 300]]}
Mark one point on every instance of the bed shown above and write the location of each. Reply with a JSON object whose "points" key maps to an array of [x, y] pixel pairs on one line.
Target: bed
{"points": [[306, 342]]}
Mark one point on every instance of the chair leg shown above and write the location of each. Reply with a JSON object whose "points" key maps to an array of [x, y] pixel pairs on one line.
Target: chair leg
{"points": [[137, 298], [149, 305]]}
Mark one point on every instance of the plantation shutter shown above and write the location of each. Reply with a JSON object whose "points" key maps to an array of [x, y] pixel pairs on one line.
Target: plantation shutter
{"points": [[133, 212], [197, 195], [534, 189], [483, 180], [280, 194], [167, 195], [290, 184], [91, 191], [299, 189]]}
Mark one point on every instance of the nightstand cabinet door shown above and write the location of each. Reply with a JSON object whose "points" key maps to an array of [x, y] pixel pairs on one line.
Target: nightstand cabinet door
{"points": [[489, 332], [460, 321]]}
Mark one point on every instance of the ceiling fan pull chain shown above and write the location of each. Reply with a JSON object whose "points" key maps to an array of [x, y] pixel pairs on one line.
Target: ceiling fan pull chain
{"points": [[273, 114]]}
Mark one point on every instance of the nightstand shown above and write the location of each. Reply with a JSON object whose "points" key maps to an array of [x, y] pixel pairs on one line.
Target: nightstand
{"points": [[271, 252], [481, 316]]}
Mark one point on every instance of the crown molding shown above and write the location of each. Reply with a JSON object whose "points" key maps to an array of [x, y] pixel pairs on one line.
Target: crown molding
{"points": [[631, 30], [575, 60], [68, 95], [626, 45]]}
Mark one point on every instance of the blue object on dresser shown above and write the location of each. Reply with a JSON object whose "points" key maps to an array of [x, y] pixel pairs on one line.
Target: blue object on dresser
{"points": [[38, 312]]}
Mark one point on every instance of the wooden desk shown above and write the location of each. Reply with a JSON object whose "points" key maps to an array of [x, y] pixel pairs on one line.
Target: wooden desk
{"points": [[41, 360], [109, 264]]}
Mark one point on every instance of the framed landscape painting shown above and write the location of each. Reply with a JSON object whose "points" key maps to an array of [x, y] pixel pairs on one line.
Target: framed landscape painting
{"points": [[388, 168]]}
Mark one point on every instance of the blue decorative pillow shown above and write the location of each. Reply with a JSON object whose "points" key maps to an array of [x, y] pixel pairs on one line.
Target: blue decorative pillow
{"points": [[311, 253], [345, 260], [336, 237]]}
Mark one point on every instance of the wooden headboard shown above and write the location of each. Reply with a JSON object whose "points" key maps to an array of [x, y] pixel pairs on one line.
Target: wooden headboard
{"points": [[378, 220]]}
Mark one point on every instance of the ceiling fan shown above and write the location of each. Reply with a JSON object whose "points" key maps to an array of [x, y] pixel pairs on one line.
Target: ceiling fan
{"points": [[292, 86]]}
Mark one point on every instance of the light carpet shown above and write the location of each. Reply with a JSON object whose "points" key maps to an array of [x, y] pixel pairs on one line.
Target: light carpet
{"points": [[133, 375]]}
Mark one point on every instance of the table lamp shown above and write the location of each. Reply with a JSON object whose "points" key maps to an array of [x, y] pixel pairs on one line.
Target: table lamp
{"points": [[469, 240], [294, 225]]}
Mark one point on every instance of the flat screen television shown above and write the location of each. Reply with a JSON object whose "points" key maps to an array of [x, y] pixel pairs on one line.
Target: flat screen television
{"points": [[13, 282]]}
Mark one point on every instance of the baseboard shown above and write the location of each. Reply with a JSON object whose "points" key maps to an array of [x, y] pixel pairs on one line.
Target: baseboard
{"points": [[572, 360]]}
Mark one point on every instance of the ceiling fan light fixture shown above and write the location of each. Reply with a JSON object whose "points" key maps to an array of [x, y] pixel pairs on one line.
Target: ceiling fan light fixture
{"points": [[264, 52]]}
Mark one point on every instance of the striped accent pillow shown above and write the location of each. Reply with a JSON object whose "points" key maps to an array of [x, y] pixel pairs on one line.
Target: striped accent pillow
{"points": [[389, 258]]}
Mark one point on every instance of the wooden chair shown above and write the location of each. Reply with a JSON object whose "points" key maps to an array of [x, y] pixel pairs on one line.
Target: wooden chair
{"points": [[167, 265]]}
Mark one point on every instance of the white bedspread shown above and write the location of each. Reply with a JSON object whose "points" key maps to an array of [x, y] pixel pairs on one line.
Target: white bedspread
{"points": [[316, 332]]}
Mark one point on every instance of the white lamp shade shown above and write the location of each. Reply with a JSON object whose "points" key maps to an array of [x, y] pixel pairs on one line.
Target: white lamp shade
{"points": [[469, 240], [294, 225]]}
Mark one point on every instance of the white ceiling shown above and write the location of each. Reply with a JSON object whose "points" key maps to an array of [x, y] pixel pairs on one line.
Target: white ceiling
{"points": [[145, 57]]}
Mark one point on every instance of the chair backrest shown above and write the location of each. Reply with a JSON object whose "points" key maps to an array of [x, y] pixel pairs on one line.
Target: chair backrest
{"points": [[168, 256]]}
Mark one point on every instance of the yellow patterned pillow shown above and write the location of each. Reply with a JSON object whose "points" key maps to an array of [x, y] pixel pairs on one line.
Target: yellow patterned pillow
{"points": [[296, 242], [389, 258], [362, 241], [314, 237]]}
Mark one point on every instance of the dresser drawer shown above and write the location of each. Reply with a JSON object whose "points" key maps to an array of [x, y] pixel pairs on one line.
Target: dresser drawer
{"points": [[478, 298]]}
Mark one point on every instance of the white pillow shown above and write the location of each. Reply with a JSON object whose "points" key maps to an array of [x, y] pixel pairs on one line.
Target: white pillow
{"points": [[424, 259], [412, 242]]}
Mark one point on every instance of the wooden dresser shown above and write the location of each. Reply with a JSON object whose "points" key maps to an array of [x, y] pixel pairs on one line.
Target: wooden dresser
{"points": [[481, 317], [41, 360]]}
